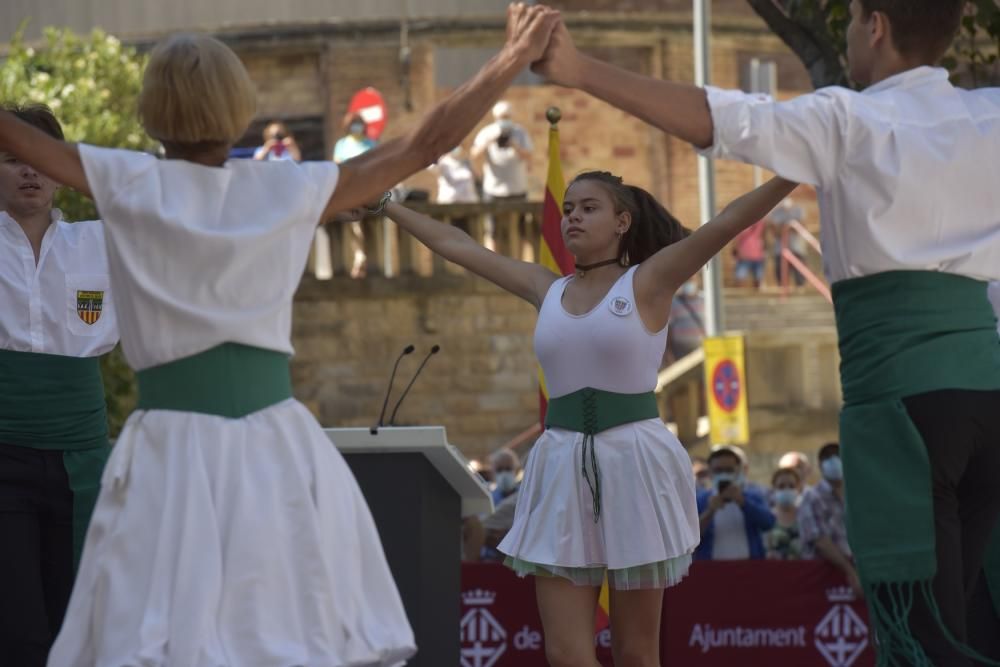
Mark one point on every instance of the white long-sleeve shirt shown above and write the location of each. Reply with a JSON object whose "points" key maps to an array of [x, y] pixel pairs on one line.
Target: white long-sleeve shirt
{"points": [[907, 172], [63, 304]]}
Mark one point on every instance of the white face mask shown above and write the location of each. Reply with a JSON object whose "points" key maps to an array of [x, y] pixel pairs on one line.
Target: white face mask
{"points": [[785, 497], [833, 469], [506, 481]]}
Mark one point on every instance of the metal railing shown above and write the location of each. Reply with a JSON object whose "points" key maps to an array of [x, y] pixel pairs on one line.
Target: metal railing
{"points": [[789, 260], [512, 228]]}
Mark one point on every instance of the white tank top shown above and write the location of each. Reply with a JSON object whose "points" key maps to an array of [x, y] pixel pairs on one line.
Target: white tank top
{"points": [[608, 348]]}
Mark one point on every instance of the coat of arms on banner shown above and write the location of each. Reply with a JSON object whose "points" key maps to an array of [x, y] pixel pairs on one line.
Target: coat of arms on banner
{"points": [[89, 305], [841, 636], [484, 640]]}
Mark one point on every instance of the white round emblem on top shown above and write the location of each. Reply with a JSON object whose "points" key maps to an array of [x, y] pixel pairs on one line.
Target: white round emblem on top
{"points": [[620, 306]]}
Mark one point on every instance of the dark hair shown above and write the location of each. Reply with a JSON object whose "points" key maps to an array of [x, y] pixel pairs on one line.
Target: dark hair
{"points": [[786, 471], [652, 225], [920, 28], [40, 116], [719, 453], [828, 450]]}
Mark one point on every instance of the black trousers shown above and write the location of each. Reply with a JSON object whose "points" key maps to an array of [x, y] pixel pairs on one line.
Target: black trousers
{"points": [[961, 430], [36, 552]]}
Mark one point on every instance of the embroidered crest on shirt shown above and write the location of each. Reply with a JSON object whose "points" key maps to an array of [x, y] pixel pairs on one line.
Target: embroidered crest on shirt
{"points": [[620, 306], [89, 305]]}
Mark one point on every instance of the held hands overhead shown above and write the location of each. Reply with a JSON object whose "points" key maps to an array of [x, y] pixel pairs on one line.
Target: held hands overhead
{"points": [[538, 34]]}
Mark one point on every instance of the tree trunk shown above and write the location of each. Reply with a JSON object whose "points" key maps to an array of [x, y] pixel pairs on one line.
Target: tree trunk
{"points": [[811, 43]]}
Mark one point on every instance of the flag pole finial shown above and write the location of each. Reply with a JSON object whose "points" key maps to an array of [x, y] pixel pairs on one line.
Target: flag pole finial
{"points": [[553, 115]]}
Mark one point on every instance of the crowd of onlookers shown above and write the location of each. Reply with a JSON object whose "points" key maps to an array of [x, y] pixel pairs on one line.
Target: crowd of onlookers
{"points": [[792, 519], [798, 516]]}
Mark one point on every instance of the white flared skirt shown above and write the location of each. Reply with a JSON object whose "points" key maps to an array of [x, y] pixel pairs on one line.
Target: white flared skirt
{"points": [[231, 543], [648, 511]]}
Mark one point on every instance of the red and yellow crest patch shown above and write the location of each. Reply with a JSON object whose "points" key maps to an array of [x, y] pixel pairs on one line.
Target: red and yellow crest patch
{"points": [[89, 305]]}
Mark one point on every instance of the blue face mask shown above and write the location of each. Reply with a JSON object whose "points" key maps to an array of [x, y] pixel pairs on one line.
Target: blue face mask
{"points": [[785, 497], [719, 478], [833, 469], [357, 128], [506, 481]]}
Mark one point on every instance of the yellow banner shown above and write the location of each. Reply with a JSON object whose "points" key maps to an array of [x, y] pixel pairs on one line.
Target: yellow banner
{"points": [[726, 384]]}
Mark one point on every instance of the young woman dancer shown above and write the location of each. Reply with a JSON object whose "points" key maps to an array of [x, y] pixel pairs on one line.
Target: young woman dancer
{"points": [[608, 489], [228, 531]]}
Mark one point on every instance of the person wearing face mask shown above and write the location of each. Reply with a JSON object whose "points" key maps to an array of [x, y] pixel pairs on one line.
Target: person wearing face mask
{"points": [[821, 518], [506, 466], [733, 517], [782, 542], [353, 144]]}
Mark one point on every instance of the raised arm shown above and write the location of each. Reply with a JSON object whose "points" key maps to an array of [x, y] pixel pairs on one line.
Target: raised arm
{"points": [[660, 276], [524, 279], [57, 159], [802, 140], [363, 178], [678, 109]]}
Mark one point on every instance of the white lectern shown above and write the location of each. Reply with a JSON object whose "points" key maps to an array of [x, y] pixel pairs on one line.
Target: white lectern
{"points": [[418, 488]]}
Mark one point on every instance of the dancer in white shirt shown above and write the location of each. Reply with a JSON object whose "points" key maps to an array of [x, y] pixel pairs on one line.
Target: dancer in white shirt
{"points": [[57, 320], [228, 530], [907, 177]]}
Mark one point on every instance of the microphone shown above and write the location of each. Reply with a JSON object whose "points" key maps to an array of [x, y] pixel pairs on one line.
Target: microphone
{"points": [[434, 350], [381, 418]]}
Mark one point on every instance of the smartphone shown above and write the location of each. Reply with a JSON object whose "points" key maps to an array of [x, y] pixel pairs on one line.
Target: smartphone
{"points": [[723, 485]]}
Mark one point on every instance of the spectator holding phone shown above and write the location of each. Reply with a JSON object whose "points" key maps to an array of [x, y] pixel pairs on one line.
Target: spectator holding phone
{"points": [[733, 518], [279, 144]]}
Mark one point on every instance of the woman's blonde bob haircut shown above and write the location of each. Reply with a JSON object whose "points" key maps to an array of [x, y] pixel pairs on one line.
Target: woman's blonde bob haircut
{"points": [[195, 90]]}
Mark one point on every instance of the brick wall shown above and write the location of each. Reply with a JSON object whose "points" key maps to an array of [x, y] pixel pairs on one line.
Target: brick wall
{"points": [[481, 386]]}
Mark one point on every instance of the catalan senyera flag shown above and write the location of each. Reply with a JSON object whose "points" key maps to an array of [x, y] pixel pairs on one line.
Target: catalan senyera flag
{"points": [[554, 256], [552, 252]]}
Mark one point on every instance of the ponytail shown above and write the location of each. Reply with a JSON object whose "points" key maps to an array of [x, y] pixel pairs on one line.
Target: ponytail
{"points": [[652, 228]]}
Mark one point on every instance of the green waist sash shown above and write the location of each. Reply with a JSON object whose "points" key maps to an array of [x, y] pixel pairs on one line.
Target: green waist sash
{"points": [[590, 411], [50, 401], [228, 380], [902, 333]]}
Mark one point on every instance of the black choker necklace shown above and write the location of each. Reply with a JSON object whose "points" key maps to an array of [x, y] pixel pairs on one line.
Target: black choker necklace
{"points": [[583, 268]]}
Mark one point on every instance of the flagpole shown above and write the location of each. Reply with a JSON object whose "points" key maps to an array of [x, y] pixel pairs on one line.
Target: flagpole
{"points": [[714, 323]]}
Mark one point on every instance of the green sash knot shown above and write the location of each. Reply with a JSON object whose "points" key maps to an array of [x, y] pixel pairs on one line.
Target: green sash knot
{"points": [[590, 411]]}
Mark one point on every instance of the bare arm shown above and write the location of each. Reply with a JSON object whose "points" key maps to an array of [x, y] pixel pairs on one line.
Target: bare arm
{"points": [[57, 159], [678, 109], [364, 177], [524, 279], [660, 276]]}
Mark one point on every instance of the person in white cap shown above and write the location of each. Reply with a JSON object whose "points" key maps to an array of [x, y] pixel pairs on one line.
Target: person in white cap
{"points": [[506, 147]]}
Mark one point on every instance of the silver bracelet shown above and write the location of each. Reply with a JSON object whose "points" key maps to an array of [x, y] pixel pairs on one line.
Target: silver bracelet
{"points": [[381, 204]]}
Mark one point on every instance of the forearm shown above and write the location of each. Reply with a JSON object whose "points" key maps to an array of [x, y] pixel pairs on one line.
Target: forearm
{"points": [[678, 109], [454, 118], [705, 519], [367, 175], [830, 552], [56, 159], [684, 259], [441, 238]]}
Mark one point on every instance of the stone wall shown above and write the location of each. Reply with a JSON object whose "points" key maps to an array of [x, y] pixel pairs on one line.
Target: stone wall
{"points": [[482, 386]]}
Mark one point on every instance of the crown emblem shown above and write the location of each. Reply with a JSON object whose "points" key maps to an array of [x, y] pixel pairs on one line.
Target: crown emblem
{"points": [[840, 594], [479, 598]]}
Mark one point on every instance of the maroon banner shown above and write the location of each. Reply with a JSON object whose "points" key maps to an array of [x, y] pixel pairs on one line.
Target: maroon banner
{"points": [[725, 614]]}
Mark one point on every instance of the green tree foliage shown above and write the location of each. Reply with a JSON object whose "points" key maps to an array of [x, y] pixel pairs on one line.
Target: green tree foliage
{"points": [[816, 31], [92, 84]]}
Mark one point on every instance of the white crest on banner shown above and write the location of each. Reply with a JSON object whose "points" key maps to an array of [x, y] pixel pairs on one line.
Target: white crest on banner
{"points": [[484, 640], [841, 636]]}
